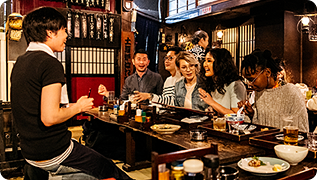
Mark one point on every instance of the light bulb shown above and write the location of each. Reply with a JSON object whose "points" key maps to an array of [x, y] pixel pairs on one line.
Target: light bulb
{"points": [[219, 34], [305, 21]]}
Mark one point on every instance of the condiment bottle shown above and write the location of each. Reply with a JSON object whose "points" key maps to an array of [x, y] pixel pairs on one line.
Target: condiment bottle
{"points": [[115, 109], [177, 172], [143, 116], [138, 116], [121, 111], [193, 169], [211, 162]]}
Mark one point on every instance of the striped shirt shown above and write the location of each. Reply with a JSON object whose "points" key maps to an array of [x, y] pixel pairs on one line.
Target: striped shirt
{"points": [[168, 94]]}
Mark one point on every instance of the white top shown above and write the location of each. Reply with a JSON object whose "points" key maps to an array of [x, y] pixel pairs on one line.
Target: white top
{"points": [[235, 93], [188, 97], [37, 46]]}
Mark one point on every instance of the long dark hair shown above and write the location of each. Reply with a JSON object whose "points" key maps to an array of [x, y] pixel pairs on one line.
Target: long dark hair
{"points": [[225, 71], [258, 59]]}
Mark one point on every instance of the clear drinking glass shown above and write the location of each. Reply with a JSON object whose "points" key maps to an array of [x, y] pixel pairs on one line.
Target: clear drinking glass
{"points": [[312, 141]]}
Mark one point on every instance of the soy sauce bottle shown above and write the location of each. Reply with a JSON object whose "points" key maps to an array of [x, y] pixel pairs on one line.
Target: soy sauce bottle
{"points": [[193, 169]]}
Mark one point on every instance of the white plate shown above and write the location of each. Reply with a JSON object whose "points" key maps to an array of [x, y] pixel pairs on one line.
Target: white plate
{"points": [[265, 170], [281, 137], [165, 128]]}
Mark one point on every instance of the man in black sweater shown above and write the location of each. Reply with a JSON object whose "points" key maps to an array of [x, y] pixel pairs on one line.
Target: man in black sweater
{"points": [[36, 82]]}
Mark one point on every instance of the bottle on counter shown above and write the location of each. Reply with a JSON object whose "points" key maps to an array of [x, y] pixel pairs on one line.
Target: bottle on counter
{"points": [[122, 110], [138, 116], [115, 109], [193, 169], [211, 163], [143, 117], [177, 170]]}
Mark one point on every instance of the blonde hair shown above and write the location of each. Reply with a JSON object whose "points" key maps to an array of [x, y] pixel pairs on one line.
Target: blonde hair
{"points": [[189, 58]]}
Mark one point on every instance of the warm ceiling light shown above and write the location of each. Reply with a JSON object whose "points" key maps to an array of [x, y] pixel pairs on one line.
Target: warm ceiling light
{"points": [[305, 21], [219, 34]]}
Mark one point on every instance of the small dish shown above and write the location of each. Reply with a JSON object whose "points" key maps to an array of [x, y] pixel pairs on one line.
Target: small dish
{"points": [[281, 137], [266, 170], [165, 128]]}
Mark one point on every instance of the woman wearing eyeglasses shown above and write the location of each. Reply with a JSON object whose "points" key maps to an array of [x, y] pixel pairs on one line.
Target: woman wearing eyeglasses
{"points": [[186, 89], [274, 101], [222, 81]]}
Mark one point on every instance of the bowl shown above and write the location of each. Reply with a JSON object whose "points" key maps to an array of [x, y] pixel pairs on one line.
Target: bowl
{"points": [[234, 119], [292, 154], [198, 135], [165, 128], [228, 173]]}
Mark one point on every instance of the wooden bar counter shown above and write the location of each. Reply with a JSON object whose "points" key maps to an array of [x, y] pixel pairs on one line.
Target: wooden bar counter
{"points": [[229, 152]]}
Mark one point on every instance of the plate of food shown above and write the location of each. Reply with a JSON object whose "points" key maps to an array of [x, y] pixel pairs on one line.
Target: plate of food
{"points": [[281, 137], [165, 128], [263, 166]]}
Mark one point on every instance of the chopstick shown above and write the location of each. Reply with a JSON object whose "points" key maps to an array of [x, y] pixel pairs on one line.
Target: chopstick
{"points": [[89, 92]]}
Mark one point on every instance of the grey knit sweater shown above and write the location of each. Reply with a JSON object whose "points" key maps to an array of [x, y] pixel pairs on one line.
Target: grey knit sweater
{"points": [[274, 105]]}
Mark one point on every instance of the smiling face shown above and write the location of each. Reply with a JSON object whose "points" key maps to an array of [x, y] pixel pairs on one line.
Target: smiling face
{"points": [[187, 70], [169, 61], [141, 62], [57, 40], [258, 81], [209, 65]]}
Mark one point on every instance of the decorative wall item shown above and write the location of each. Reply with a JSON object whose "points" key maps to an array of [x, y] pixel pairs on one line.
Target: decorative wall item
{"points": [[84, 25], [99, 23], [111, 20], [77, 26], [105, 26], [69, 24], [91, 26]]}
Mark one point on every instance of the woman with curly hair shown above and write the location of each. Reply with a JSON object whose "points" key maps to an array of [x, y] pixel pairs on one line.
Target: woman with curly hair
{"points": [[273, 102], [222, 81]]}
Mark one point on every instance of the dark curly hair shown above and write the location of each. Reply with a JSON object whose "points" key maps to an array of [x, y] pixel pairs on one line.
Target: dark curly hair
{"points": [[225, 71], [258, 59]]}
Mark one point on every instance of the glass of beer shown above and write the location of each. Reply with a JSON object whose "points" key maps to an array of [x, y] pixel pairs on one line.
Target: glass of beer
{"points": [[290, 135], [220, 124]]}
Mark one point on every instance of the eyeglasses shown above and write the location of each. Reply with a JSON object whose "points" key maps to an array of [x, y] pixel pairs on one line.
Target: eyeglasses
{"points": [[190, 67], [168, 58], [250, 83]]}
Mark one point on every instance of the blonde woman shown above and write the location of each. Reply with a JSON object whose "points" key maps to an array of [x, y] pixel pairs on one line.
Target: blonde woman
{"points": [[186, 89]]}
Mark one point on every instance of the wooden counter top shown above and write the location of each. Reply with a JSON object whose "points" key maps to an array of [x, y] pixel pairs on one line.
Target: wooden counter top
{"points": [[229, 151]]}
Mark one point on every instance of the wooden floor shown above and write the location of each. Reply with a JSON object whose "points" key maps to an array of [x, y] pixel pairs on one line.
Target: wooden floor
{"points": [[142, 174]]}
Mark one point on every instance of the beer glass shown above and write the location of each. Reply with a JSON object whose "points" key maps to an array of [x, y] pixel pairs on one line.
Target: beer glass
{"points": [[290, 132]]}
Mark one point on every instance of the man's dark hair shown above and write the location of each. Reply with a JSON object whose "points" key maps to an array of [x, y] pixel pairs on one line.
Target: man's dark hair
{"points": [[259, 60], [198, 35], [225, 71], [36, 23], [176, 49], [140, 51]]}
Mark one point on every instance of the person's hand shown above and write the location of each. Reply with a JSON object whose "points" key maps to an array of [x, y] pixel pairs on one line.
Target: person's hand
{"points": [[139, 96], [248, 110], [102, 90], [205, 96], [84, 103]]}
